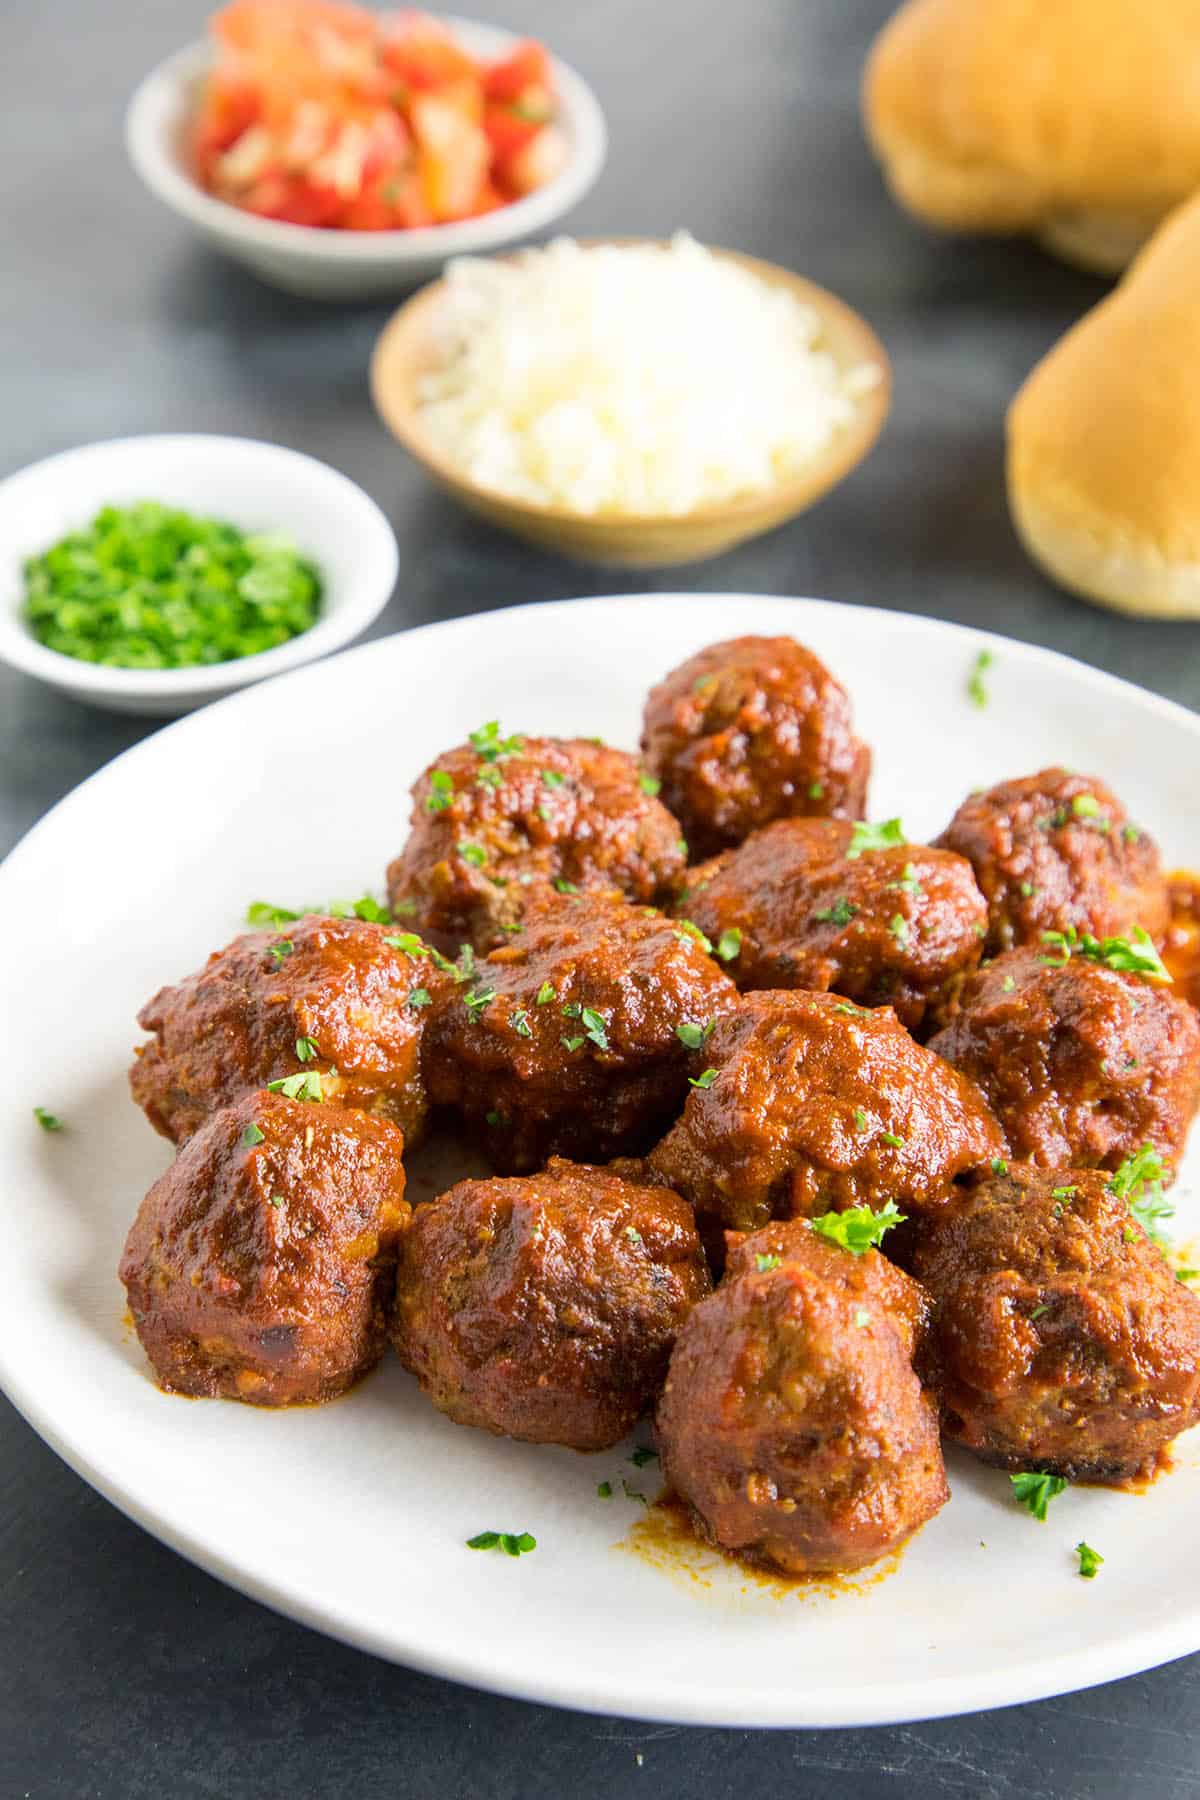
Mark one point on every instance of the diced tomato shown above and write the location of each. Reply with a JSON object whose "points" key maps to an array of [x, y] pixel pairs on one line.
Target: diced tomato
{"points": [[294, 199], [423, 56], [508, 129], [528, 66], [452, 155]]}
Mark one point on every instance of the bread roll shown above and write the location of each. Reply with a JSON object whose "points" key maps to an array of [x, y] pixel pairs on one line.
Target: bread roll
{"points": [[1075, 120], [1104, 439]]}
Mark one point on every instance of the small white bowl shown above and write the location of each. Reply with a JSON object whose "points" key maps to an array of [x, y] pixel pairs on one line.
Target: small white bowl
{"points": [[351, 265], [255, 486]]}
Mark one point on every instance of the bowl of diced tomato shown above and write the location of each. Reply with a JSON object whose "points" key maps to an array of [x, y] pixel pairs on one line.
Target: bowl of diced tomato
{"points": [[345, 153]]}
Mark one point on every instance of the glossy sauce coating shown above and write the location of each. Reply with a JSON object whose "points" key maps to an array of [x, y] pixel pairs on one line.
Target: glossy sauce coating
{"points": [[896, 927], [544, 1307], [792, 1421], [501, 824], [1054, 850], [356, 1000], [260, 1268], [752, 730], [1181, 949], [1064, 1340], [567, 1040], [1080, 1063], [818, 1105]]}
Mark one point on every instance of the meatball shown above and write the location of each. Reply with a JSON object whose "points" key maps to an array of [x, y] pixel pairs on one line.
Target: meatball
{"points": [[260, 1267], [1080, 1063], [544, 1307], [792, 1421], [1065, 1342], [897, 926], [496, 819], [804, 1104], [573, 1037], [1054, 850], [749, 731], [336, 999]]}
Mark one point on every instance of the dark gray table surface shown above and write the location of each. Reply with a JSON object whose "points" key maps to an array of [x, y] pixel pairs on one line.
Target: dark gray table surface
{"points": [[126, 1671]]}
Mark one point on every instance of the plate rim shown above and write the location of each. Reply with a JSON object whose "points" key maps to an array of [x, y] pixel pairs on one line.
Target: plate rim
{"points": [[1129, 1652]]}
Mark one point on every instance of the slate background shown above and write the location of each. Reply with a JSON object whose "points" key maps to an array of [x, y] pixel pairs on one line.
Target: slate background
{"points": [[128, 1673]]}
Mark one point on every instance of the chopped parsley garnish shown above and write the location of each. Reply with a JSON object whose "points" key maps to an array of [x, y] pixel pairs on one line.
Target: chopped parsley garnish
{"points": [[419, 997], [488, 743], [494, 1118], [261, 912], [862, 1317], [649, 784], [729, 944], [367, 908], [1089, 1560], [476, 999], [572, 1043], [489, 777], [865, 836], [1085, 806], [999, 1166], [643, 1455], [851, 1011], [692, 1037], [563, 886], [153, 587], [1027, 890], [441, 791], [703, 1081], [604, 1490], [545, 993], [1139, 1183], [1038, 1312], [681, 845], [304, 1086], [1130, 833], [306, 1049], [689, 930], [892, 1138], [976, 686], [860, 1119], [475, 854], [859, 1228], [594, 1028], [253, 1134], [408, 943], [47, 1120], [464, 966], [552, 778], [1034, 1491], [1008, 984], [632, 1493], [571, 1009], [513, 1543], [840, 913], [633, 1234], [909, 882], [403, 909], [765, 1263], [277, 1200], [280, 950], [1063, 1193], [898, 926], [816, 790], [519, 1020], [1134, 955]]}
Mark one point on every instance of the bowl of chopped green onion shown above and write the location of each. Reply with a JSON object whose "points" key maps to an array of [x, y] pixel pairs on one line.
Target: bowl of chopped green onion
{"points": [[150, 575]]}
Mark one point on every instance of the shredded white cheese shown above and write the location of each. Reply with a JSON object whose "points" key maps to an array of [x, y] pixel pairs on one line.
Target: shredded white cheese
{"points": [[630, 379]]}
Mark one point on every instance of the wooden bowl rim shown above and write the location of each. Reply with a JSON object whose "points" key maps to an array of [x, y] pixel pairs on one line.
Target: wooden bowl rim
{"points": [[409, 326]]}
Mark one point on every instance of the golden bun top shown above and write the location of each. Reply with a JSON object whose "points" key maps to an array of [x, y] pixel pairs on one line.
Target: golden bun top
{"points": [[1008, 115], [1104, 436]]}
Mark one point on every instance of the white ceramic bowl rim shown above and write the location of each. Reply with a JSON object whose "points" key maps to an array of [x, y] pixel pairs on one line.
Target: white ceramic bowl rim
{"points": [[342, 616], [153, 115]]}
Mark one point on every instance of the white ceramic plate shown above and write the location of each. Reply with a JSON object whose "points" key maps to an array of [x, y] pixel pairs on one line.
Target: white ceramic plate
{"points": [[353, 1517]]}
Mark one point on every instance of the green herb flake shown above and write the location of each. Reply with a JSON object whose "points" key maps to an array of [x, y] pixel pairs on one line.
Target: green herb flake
{"points": [[604, 1490], [977, 691], [261, 912], [681, 844], [643, 1455], [281, 950], [1038, 1312], [862, 1317], [703, 1081], [594, 1027], [909, 882], [765, 1263], [840, 913], [631, 1493], [278, 1201], [306, 1049], [441, 791], [304, 1086], [47, 1120], [898, 926], [419, 997], [563, 886], [649, 784], [1089, 1560], [494, 1119], [573, 1043], [408, 943], [860, 1119], [149, 586], [1027, 890], [865, 836], [816, 790], [633, 1234], [729, 944], [1034, 1491], [252, 1134], [859, 1228], [1132, 955], [687, 929], [1139, 1183], [519, 1020], [489, 777], [893, 1138], [545, 993], [1085, 806], [693, 1037], [1008, 984], [475, 854], [476, 999], [999, 1166], [488, 743]]}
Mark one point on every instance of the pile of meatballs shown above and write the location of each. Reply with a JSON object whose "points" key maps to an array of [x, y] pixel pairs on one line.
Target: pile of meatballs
{"points": [[694, 1010]]}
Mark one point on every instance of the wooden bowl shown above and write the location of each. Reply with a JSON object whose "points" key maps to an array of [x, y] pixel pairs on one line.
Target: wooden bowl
{"points": [[407, 350]]}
